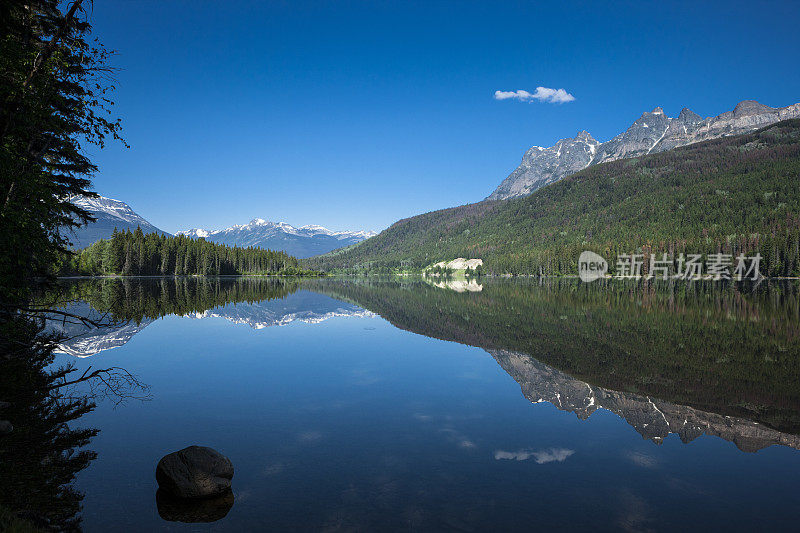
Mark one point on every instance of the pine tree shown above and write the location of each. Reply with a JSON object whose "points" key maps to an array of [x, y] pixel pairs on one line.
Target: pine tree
{"points": [[54, 91]]}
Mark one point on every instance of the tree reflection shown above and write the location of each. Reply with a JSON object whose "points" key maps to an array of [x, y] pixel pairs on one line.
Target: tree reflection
{"points": [[730, 349], [41, 456]]}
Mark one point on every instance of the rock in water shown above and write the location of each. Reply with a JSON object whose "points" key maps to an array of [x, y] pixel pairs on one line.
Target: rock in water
{"points": [[195, 472]]}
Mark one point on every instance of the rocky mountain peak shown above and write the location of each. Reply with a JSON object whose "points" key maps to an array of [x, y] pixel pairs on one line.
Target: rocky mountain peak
{"points": [[651, 133], [746, 108], [687, 115]]}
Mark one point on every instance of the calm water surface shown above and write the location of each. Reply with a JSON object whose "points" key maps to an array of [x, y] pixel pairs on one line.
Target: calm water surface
{"points": [[504, 406]]}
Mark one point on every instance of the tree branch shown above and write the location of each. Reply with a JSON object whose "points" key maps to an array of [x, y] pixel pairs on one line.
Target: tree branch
{"points": [[50, 47]]}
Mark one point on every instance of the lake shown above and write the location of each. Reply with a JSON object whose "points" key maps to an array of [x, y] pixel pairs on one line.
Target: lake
{"points": [[504, 405]]}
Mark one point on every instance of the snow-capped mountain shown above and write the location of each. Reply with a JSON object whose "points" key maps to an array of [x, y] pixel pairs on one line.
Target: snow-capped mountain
{"points": [[110, 214], [652, 132], [304, 241]]}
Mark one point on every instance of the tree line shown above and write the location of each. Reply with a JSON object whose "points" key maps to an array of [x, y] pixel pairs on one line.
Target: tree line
{"points": [[129, 253]]}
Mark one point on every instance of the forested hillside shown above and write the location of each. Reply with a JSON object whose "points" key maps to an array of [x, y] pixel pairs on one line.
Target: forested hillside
{"points": [[733, 195], [136, 254]]}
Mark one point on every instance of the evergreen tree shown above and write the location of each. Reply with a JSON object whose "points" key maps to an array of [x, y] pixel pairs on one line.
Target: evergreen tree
{"points": [[54, 86], [129, 254]]}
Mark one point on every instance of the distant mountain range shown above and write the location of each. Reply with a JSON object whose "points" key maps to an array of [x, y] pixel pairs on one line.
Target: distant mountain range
{"points": [[110, 214], [305, 241], [651, 133]]}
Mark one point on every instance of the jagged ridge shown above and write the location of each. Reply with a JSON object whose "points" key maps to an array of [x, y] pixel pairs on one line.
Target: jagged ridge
{"points": [[651, 133]]}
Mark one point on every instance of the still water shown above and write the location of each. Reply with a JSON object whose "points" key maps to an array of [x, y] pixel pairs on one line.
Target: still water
{"points": [[351, 405]]}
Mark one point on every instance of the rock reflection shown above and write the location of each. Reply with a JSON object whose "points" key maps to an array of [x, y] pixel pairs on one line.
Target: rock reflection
{"points": [[194, 510], [459, 285]]}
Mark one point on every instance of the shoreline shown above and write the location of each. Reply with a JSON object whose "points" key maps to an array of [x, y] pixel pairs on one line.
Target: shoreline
{"points": [[406, 275], [116, 276]]}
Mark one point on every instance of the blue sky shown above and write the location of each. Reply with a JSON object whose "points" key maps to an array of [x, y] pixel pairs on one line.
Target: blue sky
{"points": [[353, 115]]}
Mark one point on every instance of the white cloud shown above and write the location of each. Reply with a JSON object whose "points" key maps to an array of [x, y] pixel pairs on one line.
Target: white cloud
{"points": [[544, 456], [542, 94]]}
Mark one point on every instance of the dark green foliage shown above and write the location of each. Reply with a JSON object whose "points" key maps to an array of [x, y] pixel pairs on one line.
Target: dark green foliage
{"points": [[136, 254], [734, 195], [54, 90]]}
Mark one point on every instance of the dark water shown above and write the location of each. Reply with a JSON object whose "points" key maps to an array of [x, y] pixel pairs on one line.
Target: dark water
{"points": [[510, 406]]}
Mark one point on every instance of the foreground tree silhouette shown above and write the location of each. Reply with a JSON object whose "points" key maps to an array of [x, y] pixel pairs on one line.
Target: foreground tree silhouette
{"points": [[39, 458], [54, 88]]}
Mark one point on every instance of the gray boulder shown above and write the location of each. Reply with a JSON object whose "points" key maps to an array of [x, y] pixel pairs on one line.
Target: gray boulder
{"points": [[5, 427], [195, 472]]}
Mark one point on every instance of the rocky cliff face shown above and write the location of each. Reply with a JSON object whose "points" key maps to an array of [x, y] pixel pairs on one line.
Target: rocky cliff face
{"points": [[542, 166], [653, 419], [650, 133]]}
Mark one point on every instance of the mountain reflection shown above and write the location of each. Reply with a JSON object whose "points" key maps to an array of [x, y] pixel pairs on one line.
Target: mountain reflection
{"points": [[124, 307], [714, 348], [691, 359], [653, 419]]}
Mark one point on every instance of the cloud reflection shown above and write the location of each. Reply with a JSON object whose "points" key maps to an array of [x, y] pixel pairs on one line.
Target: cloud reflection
{"points": [[541, 457]]}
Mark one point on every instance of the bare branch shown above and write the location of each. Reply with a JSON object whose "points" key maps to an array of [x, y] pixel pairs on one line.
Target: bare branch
{"points": [[114, 382]]}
